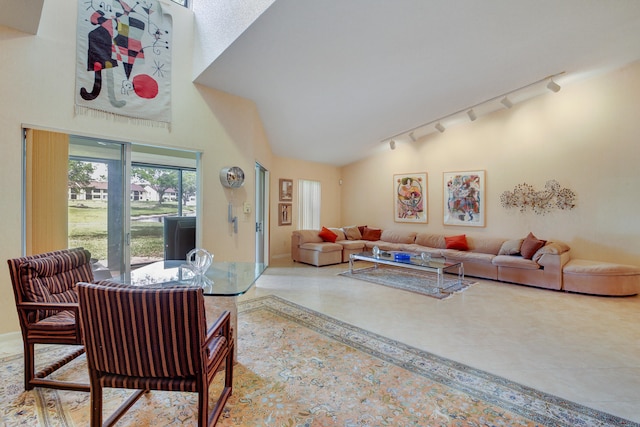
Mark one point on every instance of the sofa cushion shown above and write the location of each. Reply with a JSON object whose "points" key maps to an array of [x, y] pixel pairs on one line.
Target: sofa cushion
{"points": [[352, 244], [530, 246], [555, 248], [511, 247], [485, 245], [430, 240], [458, 242], [352, 232], [339, 233], [466, 256], [322, 247], [597, 268], [515, 262], [398, 236], [371, 234], [327, 235], [308, 236], [434, 252]]}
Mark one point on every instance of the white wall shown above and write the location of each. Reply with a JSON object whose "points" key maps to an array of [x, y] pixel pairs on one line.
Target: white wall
{"points": [[37, 86], [586, 137]]}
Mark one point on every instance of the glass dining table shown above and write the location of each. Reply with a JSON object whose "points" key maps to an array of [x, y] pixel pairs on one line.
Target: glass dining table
{"points": [[222, 279], [222, 283]]}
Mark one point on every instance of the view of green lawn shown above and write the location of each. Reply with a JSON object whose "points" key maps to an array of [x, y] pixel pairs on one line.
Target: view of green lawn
{"points": [[88, 226]]}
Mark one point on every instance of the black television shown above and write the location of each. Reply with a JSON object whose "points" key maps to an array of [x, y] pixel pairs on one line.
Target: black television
{"points": [[179, 236]]}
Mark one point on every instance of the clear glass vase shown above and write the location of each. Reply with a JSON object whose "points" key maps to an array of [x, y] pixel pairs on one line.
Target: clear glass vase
{"points": [[199, 261]]}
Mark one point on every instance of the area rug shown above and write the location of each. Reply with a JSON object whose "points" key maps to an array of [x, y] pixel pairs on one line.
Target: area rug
{"points": [[420, 282], [297, 367]]}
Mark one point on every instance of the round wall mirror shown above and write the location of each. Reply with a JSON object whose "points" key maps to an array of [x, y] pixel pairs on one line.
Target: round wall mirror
{"points": [[232, 177]]}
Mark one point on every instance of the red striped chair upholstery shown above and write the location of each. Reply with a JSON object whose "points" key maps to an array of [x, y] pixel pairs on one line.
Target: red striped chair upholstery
{"points": [[153, 339], [47, 303]]}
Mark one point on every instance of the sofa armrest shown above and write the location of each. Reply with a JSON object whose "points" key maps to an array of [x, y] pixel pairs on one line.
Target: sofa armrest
{"points": [[299, 238], [554, 261]]}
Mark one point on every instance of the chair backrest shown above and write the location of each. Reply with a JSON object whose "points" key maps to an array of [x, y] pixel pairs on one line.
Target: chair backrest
{"points": [[49, 277], [143, 332]]}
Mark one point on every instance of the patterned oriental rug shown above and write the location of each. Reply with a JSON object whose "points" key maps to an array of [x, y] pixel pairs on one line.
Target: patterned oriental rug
{"points": [[297, 367], [420, 282]]}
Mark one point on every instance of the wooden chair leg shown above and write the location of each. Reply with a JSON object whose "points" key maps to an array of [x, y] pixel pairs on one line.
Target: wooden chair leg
{"points": [[29, 365], [229, 368], [96, 403], [203, 407]]}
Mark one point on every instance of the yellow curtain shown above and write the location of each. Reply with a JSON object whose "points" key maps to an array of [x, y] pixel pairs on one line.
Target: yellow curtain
{"points": [[47, 164]]}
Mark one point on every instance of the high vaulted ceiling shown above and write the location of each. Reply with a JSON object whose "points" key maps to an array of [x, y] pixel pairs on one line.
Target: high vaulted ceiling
{"points": [[334, 78]]}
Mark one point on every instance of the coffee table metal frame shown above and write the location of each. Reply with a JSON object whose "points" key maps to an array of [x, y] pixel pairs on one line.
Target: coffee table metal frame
{"points": [[434, 265]]}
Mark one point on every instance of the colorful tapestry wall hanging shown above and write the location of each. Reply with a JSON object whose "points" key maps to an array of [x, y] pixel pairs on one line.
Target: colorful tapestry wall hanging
{"points": [[123, 60]]}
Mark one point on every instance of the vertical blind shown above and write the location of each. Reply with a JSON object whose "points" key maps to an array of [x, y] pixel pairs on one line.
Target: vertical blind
{"points": [[309, 207]]}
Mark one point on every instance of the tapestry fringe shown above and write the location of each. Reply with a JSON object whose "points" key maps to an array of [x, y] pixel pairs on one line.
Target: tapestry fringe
{"points": [[119, 118]]}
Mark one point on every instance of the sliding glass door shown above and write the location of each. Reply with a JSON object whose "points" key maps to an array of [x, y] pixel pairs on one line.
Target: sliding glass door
{"points": [[113, 198], [98, 201]]}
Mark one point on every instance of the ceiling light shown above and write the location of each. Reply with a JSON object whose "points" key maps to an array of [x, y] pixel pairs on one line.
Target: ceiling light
{"points": [[506, 102], [472, 115], [553, 86], [392, 144], [440, 127]]}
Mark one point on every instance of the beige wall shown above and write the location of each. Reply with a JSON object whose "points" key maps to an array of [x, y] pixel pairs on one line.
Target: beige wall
{"points": [[37, 87], [586, 137], [329, 177]]}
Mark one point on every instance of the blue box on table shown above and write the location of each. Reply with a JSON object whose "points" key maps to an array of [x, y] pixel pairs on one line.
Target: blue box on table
{"points": [[401, 256]]}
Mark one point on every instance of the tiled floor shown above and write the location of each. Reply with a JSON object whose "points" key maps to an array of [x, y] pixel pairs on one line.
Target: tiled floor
{"points": [[582, 348]]}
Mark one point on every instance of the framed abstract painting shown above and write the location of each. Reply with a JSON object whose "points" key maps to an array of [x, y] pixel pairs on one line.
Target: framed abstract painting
{"points": [[410, 197], [464, 198]]}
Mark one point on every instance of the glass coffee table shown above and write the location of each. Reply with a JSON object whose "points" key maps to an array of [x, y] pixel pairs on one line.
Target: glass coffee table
{"points": [[414, 261]]}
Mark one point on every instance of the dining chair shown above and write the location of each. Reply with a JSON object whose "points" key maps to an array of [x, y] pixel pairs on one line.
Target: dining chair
{"points": [[153, 338], [47, 305]]}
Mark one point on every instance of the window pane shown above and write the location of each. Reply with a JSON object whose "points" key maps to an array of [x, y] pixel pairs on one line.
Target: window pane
{"points": [[309, 208]]}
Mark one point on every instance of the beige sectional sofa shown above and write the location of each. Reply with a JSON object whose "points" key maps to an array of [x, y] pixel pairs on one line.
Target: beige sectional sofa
{"points": [[486, 257]]}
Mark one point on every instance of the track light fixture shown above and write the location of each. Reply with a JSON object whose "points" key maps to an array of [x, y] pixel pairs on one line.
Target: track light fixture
{"points": [[392, 144], [553, 86], [483, 106], [506, 102]]}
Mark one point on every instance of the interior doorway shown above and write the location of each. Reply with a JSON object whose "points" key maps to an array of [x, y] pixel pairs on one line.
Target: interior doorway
{"points": [[262, 218]]}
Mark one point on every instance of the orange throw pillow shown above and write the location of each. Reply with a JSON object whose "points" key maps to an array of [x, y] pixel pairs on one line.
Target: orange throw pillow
{"points": [[530, 246], [457, 242], [328, 235]]}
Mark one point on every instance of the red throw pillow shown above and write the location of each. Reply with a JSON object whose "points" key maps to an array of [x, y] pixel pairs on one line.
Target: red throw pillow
{"points": [[457, 242], [328, 235], [372, 234], [530, 246]]}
